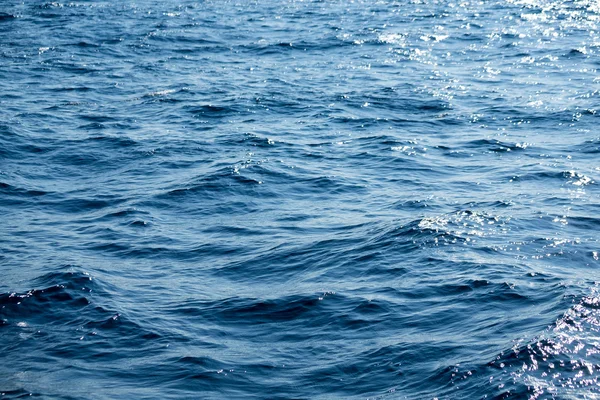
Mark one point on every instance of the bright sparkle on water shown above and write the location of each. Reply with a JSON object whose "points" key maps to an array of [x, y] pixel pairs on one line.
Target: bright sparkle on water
{"points": [[299, 199]]}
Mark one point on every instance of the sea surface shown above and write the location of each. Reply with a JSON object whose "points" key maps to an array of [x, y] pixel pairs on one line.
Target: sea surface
{"points": [[286, 199]]}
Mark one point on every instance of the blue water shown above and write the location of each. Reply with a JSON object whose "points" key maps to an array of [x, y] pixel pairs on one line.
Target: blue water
{"points": [[299, 199]]}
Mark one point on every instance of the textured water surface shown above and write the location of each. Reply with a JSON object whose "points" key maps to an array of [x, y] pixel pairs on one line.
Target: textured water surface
{"points": [[299, 199]]}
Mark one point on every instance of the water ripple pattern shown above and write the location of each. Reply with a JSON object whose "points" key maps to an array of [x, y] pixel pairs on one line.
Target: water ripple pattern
{"points": [[299, 199]]}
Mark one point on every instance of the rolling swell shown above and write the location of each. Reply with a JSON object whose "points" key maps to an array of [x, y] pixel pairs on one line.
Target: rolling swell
{"points": [[296, 200]]}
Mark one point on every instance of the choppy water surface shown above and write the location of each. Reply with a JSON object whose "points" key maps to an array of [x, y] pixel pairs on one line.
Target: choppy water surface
{"points": [[299, 199]]}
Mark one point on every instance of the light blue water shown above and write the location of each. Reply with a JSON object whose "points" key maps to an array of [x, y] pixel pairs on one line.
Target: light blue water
{"points": [[299, 199]]}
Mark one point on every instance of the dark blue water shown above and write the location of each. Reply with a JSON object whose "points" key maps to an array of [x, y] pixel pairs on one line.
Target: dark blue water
{"points": [[299, 199]]}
